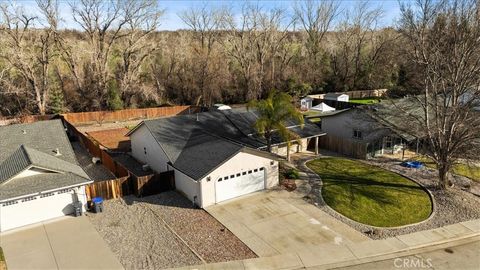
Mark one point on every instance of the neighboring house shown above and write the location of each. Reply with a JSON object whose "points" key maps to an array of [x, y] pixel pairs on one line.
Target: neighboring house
{"points": [[336, 97], [39, 174], [216, 155], [306, 103], [358, 125], [322, 107]]}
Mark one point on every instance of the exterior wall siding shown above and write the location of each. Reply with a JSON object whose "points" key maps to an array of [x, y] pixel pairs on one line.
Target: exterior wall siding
{"points": [[188, 187], [155, 157]]}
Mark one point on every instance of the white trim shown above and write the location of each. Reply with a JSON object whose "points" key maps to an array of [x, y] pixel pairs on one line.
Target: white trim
{"points": [[45, 191]]}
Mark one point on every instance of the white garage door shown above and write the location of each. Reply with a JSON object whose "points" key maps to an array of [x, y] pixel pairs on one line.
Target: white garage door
{"points": [[34, 209], [239, 183]]}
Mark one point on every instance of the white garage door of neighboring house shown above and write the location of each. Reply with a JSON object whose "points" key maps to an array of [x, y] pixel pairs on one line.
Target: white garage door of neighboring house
{"points": [[35, 209], [239, 183]]}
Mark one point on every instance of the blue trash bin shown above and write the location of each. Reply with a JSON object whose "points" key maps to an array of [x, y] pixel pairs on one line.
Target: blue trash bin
{"points": [[97, 204]]}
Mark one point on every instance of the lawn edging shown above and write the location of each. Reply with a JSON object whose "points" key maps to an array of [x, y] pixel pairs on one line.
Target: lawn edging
{"points": [[320, 197]]}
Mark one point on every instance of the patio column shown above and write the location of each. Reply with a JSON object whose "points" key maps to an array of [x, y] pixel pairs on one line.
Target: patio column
{"points": [[316, 145]]}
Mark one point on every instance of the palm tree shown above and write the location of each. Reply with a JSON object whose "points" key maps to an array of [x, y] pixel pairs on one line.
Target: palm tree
{"points": [[273, 112]]}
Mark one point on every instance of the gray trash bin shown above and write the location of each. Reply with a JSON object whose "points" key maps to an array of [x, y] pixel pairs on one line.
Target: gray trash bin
{"points": [[77, 209], [97, 204]]}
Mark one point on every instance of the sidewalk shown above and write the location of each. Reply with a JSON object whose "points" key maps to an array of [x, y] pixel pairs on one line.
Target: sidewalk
{"points": [[328, 256]]}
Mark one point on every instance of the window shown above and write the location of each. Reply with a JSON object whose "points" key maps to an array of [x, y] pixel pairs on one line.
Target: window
{"points": [[261, 169], [256, 170], [272, 162], [219, 179], [63, 191], [238, 174], [46, 195], [244, 173], [9, 203], [232, 176], [208, 179], [29, 199], [225, 178], [249, 172], [357, 134]]}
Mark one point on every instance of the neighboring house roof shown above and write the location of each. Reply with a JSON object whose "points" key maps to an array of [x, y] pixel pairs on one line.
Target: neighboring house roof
{"points": [[35, 145], [335, 95]]}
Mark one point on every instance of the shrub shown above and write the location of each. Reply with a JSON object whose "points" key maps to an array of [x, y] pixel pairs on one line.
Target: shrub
{"points": [[292, 174]]}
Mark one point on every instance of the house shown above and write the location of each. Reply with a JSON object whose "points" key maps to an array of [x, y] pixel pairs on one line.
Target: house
{"points": [[359, 125], [216, 155], [40, 178], [306, 103], [322, 107], [336, 97]]}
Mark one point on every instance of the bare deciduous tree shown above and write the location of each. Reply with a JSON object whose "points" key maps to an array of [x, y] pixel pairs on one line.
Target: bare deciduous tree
{"points": [[30, 51], [444, 41]]}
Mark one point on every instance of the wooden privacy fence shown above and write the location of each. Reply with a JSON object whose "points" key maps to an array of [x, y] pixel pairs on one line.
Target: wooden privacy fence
{"points": [[153, 184], [358, 94], [343, 146], [127, 114], [25, 119], [127, 183], [109, 189]]}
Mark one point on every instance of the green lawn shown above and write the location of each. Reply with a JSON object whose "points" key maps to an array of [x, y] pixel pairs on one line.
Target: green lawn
{"points": [[369, 194], [2, 260], [365, 100], [468, 170]]}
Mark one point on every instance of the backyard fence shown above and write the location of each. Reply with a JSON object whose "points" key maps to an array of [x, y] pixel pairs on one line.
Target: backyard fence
{"points": [[125, 115], [154, 183], [24, 119], [127, 182], [358, 94], [109, 189], [343, 146]]}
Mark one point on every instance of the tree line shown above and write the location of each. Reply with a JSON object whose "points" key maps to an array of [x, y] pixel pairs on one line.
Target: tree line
{"points": [[118, 59]]}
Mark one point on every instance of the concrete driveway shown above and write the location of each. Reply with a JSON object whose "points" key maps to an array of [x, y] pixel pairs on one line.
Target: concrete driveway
{"points": [[67, 243], [277, 222]]}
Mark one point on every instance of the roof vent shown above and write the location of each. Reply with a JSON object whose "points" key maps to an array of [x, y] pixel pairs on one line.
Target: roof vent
{"points": [[24, 131], [57, 152]]}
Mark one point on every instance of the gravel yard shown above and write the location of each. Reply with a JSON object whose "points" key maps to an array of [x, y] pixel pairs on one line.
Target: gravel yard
{"points": [[136, 231]]}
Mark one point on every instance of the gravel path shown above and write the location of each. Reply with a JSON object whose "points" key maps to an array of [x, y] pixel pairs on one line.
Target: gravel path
{"points": [[452, 206], [135, 230]]}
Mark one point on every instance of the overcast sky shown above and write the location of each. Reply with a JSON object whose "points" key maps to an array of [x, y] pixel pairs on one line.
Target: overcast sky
{"points": [[171, 21]]}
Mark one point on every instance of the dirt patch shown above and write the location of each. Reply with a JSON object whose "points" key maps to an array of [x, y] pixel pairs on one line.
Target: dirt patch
{"points": [[135, 230], [113, 139]]}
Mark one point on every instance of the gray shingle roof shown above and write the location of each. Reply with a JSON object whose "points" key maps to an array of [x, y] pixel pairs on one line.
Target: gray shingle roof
{"points": [[203, 153], [196, 144], [34, 145]]}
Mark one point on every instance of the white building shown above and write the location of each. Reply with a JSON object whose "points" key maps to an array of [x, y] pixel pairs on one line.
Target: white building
{"points": [[215, 155], [322, 107], [306, 103], [40, 178], [336, 97]]}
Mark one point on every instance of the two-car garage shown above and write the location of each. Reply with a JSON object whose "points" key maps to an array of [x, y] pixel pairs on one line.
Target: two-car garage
{"points": [[37, 208], [238, 184]]}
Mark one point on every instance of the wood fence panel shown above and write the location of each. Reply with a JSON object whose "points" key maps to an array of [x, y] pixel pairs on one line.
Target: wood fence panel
{"points": [[154, 184], [127, 114], [109, 189], [344, 146]]}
